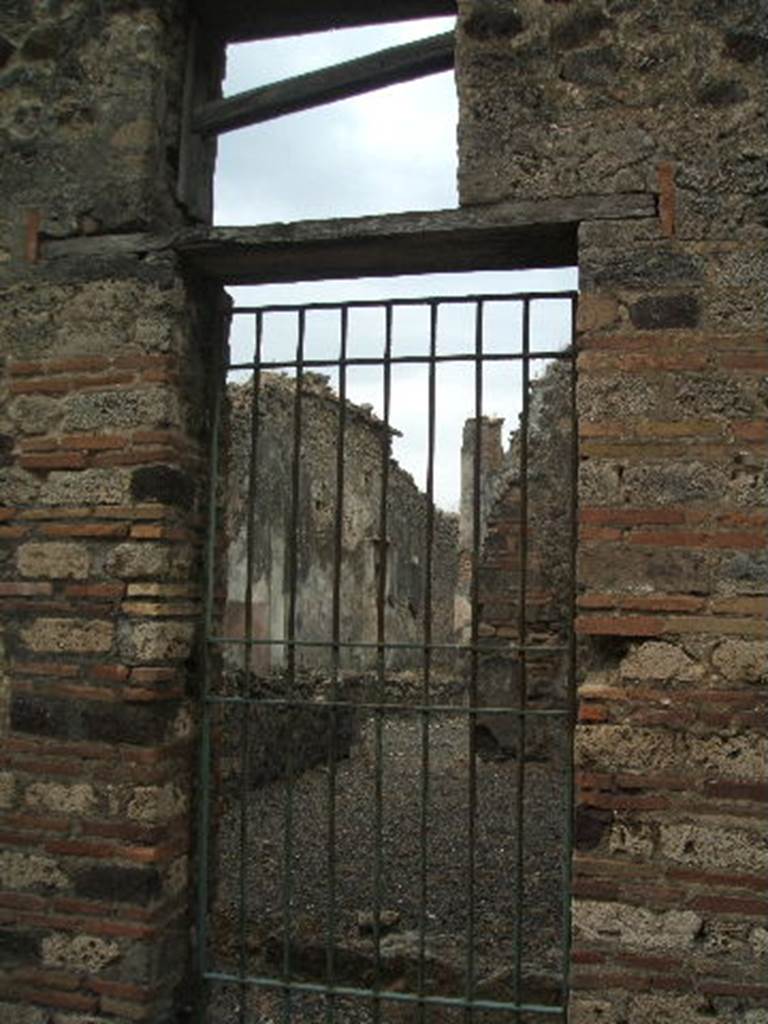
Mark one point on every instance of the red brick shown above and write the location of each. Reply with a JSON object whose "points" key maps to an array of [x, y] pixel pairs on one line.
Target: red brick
{"points": [[710, 879], [39, 444], [53, 460], [96, 590], [625, 625], [134, 456], [25, 589], [46, 668], [593, 713], [22, 901], [744, 361], [56, 512], [13, 532], [49, 997], [751, 430], [594, 533], [614, 802], [47, 979], [730, 905], [149, 675], [35, 822], [607, 980], [586, 956], [87, 364], [25, 367], [738, 539], [159, 853], [754, 791], [92, 442], [108, 672], [651, 963], [740, 605], [719, 987], [123, 990], [631, 516], [98, 530]]}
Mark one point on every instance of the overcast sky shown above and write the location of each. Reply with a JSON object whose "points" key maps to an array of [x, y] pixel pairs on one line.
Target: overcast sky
{"points": [[389, 151]]}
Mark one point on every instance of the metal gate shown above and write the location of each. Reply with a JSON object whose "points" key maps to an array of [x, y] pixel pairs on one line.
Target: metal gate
{"points": [[385, 782]]}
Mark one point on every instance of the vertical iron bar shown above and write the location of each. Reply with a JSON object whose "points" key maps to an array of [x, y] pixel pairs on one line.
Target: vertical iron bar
{"points": [[475, 631], [291, 660], [204, 805], [381, 633], [429, 537], [570, 727], [247, 666], [522, 697], [336, 662]]}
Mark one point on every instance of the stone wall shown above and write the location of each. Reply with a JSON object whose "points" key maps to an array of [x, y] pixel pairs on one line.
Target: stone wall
{"points": [[104, 388], [367, 444], [605, 98]]}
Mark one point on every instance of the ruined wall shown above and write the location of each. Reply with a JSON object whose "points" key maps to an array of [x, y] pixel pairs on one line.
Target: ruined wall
{"points": [[366, 447], [609, 97], [103, 391]]}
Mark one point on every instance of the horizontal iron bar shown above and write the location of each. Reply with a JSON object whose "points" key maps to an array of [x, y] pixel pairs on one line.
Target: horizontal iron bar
{"points": [[315, 88], [390, 645], [421, 300], [334, 705], [257, 981], [461, 357]]}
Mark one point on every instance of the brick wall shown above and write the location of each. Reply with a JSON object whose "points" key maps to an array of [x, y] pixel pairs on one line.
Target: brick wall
{"points": [[102, 480], [670, 900]]}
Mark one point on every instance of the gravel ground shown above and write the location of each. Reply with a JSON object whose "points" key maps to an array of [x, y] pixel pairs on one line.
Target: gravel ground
{"points": [[447, 819]]}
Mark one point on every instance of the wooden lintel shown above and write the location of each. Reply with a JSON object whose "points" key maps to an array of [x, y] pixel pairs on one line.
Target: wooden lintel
{"points": [[506, 236], [240, 20], [510, 236], [351, 78]]}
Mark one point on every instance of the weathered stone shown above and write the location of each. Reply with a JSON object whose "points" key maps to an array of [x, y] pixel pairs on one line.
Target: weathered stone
{"points": [[742, 661], [157, 641], [78, 798], [660, 660], [578, 28], [7, 790], [18, 947], [655, 312], [16, 1013], [722, 93], [125, 723], [657, 1008], [118, 884], [89, 953], [493, 20], [155, 804], [715, 848], [745, 47], [590, 825], [139, 559], [21, 871], [637, 749], [642, 268], [147, 409], [166, 484], [635, 927], [591, 67], [584, 1009], [54, 560], [70, 636], [633, 839], [86, 487], [40, 716], [35, 414]]}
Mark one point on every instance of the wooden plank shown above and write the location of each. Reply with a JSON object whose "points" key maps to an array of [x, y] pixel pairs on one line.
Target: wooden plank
{"points": [[506, 236], [511, 236], [240, 20], [351, 78]]}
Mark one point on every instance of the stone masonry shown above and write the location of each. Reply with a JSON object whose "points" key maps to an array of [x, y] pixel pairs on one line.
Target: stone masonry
{"points": [[103, 400], [562, 99]]}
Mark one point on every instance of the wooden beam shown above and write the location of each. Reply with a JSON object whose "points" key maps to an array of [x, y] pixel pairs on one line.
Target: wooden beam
{"points": [[510, 236], [241, 20], [351, 78], [506, 236]]}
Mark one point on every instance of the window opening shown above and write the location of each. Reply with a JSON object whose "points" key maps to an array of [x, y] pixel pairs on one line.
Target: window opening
{"points": [[389, 150]]}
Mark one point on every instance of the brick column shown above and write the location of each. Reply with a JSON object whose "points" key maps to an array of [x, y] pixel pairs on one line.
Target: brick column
{"points": [[670, 861], [103, 397]]}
